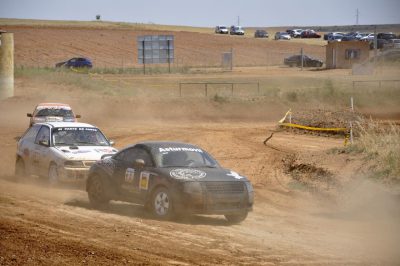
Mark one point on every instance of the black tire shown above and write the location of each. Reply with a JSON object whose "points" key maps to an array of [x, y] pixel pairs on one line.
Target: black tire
{"points": [[97, 188], [52, 175], [162, 206], [236, 218], [20, 171]]}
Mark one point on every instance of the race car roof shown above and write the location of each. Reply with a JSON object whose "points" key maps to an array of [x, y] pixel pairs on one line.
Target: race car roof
{"points": [[66, 124], [165, 144], [53, 105]]}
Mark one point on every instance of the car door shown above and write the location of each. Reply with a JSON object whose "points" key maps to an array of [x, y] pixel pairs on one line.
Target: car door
{"points": [[26, 147], [132, 179], [41, 152]]}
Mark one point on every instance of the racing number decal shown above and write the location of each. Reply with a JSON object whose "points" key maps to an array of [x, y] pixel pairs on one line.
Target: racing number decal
{"points": [[144, 180], [129, 175]]}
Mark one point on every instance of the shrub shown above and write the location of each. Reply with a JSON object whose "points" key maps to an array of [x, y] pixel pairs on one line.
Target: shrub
{"points": [[381, 144]]}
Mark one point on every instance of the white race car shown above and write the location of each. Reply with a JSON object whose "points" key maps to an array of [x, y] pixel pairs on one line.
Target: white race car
{"points": [[61, 151]]}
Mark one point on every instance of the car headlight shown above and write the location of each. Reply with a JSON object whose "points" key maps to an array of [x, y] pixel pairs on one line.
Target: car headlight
{"points": [[192, 187], [73, 164], [250, 190]]}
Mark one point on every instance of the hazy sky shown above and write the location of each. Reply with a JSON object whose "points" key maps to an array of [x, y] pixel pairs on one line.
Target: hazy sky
{"points": [[210, 12]]}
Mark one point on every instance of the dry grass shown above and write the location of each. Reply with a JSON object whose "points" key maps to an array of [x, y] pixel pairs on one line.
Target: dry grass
{"points": [[100, 24], [381, 144]]}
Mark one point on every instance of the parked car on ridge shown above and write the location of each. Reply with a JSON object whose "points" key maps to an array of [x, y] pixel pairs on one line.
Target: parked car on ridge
{"points": [[281, 35], [260, 34], [309, 34], [76, 62], [236, 30], [295, 60], [221, 29], [295, 33]]}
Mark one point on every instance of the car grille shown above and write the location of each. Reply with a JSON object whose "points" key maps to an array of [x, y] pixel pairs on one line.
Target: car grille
{"points": [[224, 187]]}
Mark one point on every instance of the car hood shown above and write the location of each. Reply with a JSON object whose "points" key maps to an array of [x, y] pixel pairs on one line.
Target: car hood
{"points": [[200, 174], [85, 152]]}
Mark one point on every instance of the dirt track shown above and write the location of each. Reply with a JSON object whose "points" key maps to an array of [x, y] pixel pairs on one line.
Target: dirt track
{"points": [[46, 225]]}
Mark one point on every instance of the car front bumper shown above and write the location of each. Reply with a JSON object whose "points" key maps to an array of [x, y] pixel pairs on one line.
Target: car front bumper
{"points": [[217, 198], [71, 174]]}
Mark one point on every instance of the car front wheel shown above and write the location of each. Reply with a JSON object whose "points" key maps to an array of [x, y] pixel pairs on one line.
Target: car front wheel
{"points": [[97, 191], [236, 218], [53, 174], [20, 171], [162, 204]]}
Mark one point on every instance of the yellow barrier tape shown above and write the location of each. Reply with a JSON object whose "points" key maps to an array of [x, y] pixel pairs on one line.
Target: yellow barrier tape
{"points": [[314, 128]]}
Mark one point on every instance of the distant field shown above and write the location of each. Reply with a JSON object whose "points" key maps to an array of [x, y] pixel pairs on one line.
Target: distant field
{"points": [[113, 45], [42, 43]]}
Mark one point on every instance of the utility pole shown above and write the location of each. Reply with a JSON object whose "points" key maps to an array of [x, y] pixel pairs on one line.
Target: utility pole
{"points": [[238, 21], [357, 15]]}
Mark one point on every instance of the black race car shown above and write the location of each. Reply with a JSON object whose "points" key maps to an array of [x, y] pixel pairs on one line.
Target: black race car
{"points": [[295, 60], [170, 178]]}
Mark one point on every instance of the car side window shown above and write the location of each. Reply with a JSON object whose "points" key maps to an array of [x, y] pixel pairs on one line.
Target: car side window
{"points": [[43, 135], [31, 133], [132, 154]]}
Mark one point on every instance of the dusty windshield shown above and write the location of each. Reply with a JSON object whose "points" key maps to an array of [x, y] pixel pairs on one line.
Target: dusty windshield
{"points": [[54, 112], [78, 136], [183, 157]]}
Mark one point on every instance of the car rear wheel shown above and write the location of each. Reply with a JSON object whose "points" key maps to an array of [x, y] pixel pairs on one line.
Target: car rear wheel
{"points": [[236, 218], [53, 174], [97, 191], [162, 204], [20, 171]]}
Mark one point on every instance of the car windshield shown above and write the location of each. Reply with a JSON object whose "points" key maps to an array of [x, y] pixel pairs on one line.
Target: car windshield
{"points": [[183, 157], [238, 28], [222, 27], [78, 136], [54, 112]]}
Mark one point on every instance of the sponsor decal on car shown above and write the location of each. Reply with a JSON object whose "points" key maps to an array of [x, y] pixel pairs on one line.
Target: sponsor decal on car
{"points": [[165, 150], [181, 173], [129, 175], [235, 175], [82, 151], [144, 180], [105, 150]]}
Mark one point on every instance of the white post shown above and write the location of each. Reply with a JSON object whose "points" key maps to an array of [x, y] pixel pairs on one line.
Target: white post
{"points": [[351, 132], [6, 65], [352, 104]]}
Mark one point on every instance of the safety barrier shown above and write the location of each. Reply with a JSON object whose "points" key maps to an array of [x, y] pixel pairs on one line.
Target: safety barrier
{"points": [[346, 131]]}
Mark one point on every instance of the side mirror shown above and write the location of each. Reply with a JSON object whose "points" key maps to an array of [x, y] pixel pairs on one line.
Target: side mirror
{"points": [[44, 143], [139, 163], [17, 138], [111, 142], [78, 116], [29, 115]]}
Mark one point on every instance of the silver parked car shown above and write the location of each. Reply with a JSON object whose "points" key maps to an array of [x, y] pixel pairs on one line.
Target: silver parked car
{"points": [[221, 29], [282, 36]]}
